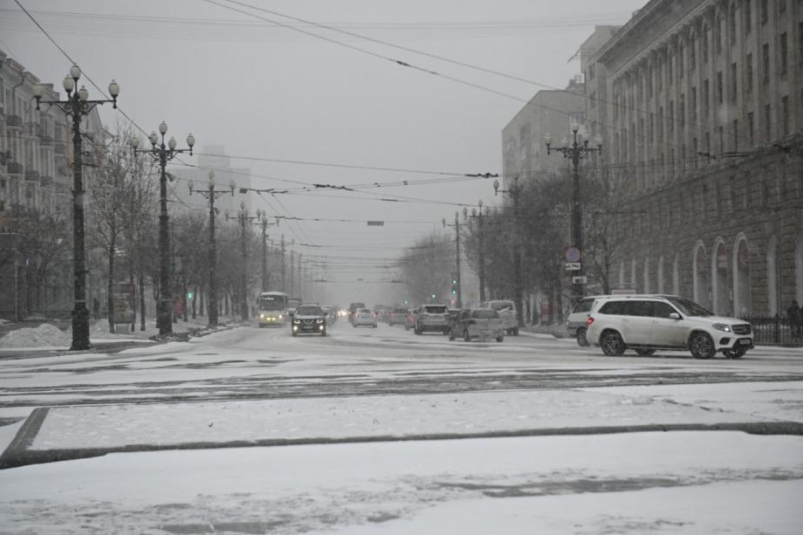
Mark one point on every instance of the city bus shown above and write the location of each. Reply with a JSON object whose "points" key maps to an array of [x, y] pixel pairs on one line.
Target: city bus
{"points": [[272, 308]]}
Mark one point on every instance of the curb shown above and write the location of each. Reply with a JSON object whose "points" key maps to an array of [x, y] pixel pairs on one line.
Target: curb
{"points": [[18, 453]]}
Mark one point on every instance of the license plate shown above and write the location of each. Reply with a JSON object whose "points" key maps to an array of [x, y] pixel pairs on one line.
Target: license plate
{"points": [[746, 342]]}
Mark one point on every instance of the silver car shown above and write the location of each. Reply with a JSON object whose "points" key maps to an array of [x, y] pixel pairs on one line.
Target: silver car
{"points": [[365, 317], [480, 323]]}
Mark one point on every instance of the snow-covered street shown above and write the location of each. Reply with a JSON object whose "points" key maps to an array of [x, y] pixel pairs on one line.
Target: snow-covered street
{"points": [[380, 431]]}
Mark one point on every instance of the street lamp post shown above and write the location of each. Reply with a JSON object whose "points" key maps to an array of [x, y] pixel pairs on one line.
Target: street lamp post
{"points": [[514, 191], [576, 152], [163, 153], [478, 216], [243, 218], [77, 105], [212, 194], [262, 216], [456, 280]]}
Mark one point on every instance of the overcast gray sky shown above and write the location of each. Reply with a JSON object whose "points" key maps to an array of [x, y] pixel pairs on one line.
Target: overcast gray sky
{"points": [[270, 92]]}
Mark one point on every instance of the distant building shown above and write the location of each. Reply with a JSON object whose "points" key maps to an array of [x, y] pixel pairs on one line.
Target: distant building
{"points": [[701, 104]]}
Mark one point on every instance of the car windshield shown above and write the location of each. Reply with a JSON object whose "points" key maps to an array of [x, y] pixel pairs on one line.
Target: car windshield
{"points": [[271, 302], [688, 307], [307, 310], [502, 305]]}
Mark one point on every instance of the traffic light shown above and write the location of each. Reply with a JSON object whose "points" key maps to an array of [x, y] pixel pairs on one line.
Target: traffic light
{"points": [[454, 284], [189, 295]]}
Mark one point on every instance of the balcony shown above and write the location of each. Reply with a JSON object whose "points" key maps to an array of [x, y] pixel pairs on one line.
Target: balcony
{"points": [[14, 121], [60, 148], [46, 141], [32, 175], [32, 129], [14, 168]]}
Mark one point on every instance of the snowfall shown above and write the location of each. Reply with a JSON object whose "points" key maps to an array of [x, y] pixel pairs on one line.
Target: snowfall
{"points": [[465, 463]]}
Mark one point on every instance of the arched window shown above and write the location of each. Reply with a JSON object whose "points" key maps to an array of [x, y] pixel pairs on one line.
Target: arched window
{"points": [[702, 286], [676, 275], [772, 276], [661, 282], [741, 277], [647, 286], [719, 278]]}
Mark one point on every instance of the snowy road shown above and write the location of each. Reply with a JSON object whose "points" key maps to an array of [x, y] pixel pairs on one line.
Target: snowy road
{"points": [[251, 363], [382, 431]]}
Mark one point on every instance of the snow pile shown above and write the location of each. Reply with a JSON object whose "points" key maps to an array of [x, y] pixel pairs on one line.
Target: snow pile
{"points": [[46, 335]]}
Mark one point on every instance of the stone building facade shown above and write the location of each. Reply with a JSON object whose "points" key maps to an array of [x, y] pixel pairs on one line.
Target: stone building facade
{"points": [[35, 191], [701, 102]]}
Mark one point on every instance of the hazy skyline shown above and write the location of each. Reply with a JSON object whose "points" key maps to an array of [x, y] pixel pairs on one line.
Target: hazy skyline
{"points": [[266, 92]]}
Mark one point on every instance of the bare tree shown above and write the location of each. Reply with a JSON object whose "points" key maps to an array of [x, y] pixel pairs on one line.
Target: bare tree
{"points": [[425, 268]]}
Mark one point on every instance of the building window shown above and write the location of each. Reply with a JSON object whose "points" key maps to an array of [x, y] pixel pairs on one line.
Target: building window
{"points": [[682, 110], [708, 144], [785, 114], [767, 122], [669, 66], [719, 87], [784, 54], [781, 6], [748, 16], [749, 74], [671, 116], [693, 106], [733, 24], [704, 44], [735, 135], [692, 55], [680, 61], [800, 43], [696, 152], [751, 127], [765, 58], [734, 87], [706, 101], [765, 11]]}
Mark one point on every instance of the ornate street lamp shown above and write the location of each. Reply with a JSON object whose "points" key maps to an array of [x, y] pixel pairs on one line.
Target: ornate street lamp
{"points": [[77, 105], [576, 151], [163, 153]]}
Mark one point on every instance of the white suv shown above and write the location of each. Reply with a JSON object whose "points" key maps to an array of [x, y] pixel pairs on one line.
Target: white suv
{"points": [[647, 323]]}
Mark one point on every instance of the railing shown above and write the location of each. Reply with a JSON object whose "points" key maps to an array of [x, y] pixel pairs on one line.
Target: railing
{"points": [[776, 330]]}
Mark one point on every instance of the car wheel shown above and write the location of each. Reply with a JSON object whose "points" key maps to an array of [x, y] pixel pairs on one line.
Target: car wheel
{"points": [[702, 346], [645, 352], [612, 344], [295, 333], [582, 341], [735, 353], [451, 335], [515, 331], [500, 339], [323, 332], [374, 325], [466, 336]]}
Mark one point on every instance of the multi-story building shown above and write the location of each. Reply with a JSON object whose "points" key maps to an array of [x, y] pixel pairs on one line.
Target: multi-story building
{"points": [[701, 104], [35, 201]]}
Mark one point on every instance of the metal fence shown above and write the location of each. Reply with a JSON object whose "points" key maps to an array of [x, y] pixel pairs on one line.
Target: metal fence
{"points": [[775, 330]]}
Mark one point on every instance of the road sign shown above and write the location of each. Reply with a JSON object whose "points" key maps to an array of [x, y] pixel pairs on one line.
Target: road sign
{"points": [[579, 280], [572, 254], [573, 266]]}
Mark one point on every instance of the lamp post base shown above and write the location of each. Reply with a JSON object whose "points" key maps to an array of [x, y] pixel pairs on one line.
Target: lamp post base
{"points": [[80, 328]]}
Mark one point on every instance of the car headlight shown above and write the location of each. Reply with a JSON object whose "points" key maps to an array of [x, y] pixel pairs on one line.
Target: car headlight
{"points": [[722, 327]]}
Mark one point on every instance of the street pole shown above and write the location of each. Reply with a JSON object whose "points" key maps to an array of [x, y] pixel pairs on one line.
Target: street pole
{"points": [[482, 256], [163, 153], [576, 152], [77, 106], [212, 194], [518, 285], [284, 284], [264, 254], [456, 225]]}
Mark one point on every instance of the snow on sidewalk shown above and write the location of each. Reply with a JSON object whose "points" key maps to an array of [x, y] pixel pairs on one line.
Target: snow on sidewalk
{"points": [[114, 426]]}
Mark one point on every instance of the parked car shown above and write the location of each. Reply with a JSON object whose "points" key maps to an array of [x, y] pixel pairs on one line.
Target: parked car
{"points": [[364, 316], [353, 307], [648, 323], [507, 313], [432, 318], [397, 316], [577, 322], [309, 319], [480, 323]]}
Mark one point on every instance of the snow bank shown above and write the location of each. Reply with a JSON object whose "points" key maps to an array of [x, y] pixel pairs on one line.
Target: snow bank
{"points": [[45, 335]]}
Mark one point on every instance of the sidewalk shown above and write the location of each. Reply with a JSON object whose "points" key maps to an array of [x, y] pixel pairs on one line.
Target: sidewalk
{"points": [[86, 431]]}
